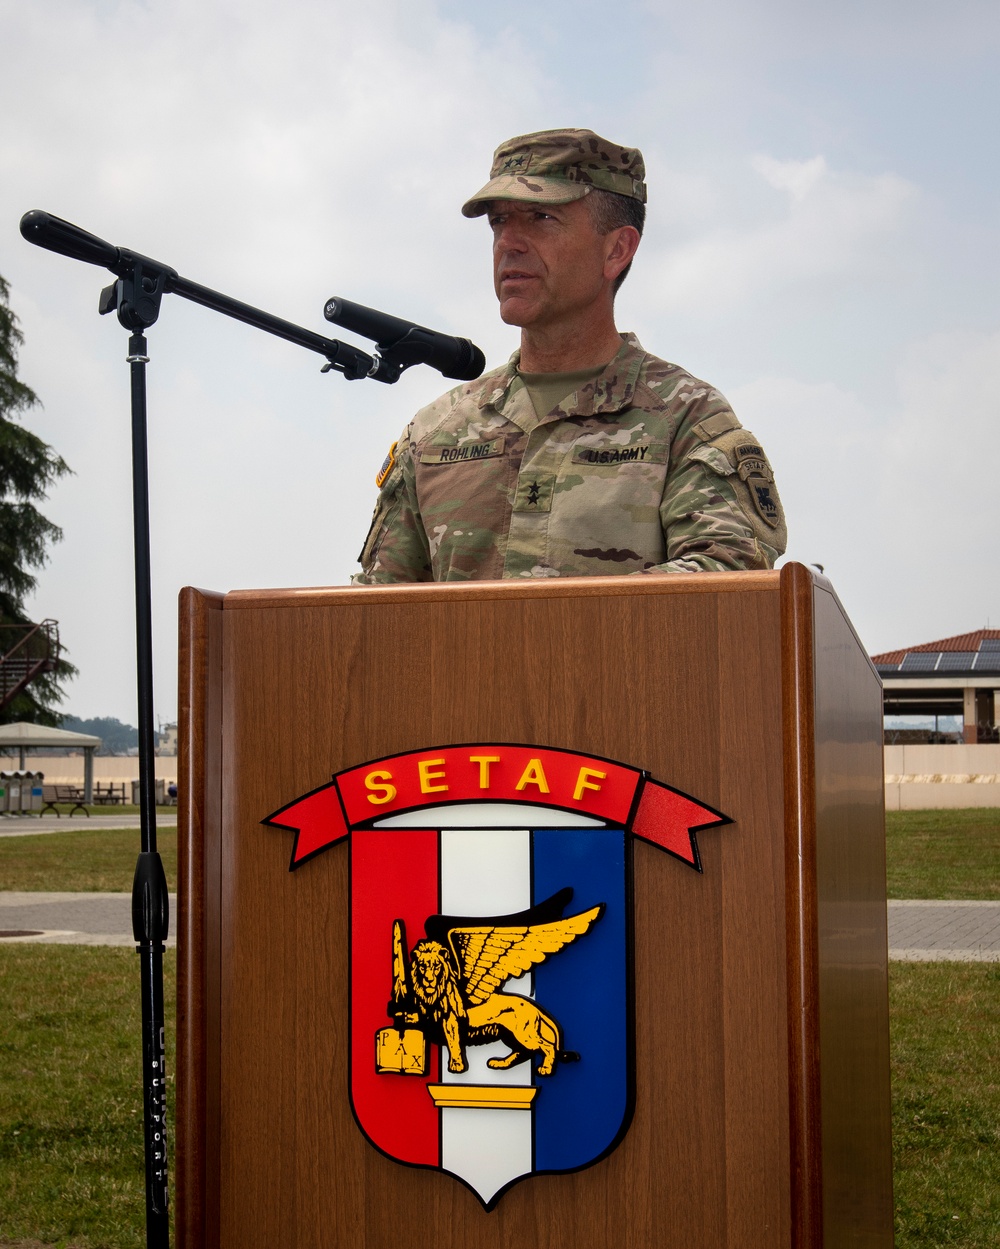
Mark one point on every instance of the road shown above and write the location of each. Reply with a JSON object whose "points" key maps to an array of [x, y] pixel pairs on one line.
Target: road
{"points": [[34, 825], [70, 918]]}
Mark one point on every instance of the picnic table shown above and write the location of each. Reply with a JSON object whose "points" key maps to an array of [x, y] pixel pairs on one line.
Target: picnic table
{"points": [[110, 794]]}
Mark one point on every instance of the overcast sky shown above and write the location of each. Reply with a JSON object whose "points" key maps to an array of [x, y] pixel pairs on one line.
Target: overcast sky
{"points": [[823, 245]]}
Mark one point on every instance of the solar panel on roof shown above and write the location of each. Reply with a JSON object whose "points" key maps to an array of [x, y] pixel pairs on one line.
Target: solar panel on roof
{"points": [[988, 657], [920, 661], [956, 661]]}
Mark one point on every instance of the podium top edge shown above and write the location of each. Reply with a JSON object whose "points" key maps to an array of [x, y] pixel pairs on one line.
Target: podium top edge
{"points": [[465, 591]]}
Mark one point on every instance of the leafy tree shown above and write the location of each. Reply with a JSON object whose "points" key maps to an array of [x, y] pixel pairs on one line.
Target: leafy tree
{"points": [[118, 738], [28, 466]]}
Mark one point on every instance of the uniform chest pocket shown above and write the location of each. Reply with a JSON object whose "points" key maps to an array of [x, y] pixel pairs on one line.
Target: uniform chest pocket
{"points": [[609, 455]]}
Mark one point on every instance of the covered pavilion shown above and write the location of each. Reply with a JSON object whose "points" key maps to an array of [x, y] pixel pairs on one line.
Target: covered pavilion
{"points": [[33, 737], [954, 676]]}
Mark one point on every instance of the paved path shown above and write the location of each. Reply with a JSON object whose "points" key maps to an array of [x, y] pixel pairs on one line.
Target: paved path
{"points": [[32, 825], [967, 932], [925, 931], [70, 918]]}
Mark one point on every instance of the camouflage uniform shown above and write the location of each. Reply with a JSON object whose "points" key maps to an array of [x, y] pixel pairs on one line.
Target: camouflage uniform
{"points": [[643, 470]]}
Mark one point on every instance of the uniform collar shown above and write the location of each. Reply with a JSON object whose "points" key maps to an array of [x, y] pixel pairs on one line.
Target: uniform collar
{"points": [[609, 392]]}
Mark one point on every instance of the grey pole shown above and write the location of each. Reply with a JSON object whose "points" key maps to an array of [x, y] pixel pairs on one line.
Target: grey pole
{"points": [[88, 774]]}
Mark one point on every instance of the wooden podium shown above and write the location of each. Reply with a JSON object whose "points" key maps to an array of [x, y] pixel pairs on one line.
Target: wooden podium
{"points": [[761, 1110]]}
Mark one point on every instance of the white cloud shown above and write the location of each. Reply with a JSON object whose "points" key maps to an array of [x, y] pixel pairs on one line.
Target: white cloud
{"points": [[825, 224], [899, 501], [797, 177], [885, 31]]}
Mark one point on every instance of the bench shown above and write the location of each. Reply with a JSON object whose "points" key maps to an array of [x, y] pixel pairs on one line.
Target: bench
{"points": [[51, 794]]}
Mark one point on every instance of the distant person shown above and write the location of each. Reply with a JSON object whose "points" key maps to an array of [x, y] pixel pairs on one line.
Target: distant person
{"points": [[584, 454]]}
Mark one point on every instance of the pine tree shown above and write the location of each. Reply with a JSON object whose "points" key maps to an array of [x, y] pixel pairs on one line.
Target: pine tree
{"points": [[28, 467]]}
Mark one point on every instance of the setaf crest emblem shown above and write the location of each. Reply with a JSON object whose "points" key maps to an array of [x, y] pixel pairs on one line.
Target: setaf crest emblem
{"points": [[491, 949]]}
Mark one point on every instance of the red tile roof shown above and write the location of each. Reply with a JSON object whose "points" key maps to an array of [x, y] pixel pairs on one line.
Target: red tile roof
{"points": [[961, 642]]}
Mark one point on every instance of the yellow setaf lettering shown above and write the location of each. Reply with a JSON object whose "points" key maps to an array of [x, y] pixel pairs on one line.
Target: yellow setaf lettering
{"points": [[378, 782], [426, 775], [583, 783], [484, 762], [534, 774]]}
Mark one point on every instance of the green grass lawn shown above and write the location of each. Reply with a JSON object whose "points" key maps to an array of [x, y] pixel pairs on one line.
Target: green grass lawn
{"points": [[82, 859], [946, 1103], [71, 1149], [943, 854], [70, 1101]]}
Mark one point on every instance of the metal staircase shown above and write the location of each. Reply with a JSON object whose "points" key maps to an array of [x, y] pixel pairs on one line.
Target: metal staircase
{"points": [[28, 651]]}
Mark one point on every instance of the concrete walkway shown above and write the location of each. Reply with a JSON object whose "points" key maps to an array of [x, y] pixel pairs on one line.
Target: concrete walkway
{"points": [[32, 825], [966, 932], [70, 918], [927, 931]]}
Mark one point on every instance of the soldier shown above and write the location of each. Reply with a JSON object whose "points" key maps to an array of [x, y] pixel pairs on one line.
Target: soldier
{"points": [[584, 454]]}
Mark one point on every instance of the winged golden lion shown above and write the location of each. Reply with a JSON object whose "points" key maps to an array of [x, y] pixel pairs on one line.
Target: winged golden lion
{"points": [[452, 986]]}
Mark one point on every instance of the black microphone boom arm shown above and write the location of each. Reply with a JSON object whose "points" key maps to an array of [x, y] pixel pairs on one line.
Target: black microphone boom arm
{"points": [[142, 281]]}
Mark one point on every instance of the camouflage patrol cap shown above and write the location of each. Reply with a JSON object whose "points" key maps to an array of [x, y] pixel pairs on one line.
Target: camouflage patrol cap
{"points": [[557, 166]]}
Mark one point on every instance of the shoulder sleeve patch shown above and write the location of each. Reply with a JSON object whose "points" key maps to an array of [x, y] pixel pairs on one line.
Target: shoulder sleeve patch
{"points": [[713, 426], [386, 468], [739, 457]]}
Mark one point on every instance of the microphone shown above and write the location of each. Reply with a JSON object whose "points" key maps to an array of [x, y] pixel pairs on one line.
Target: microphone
{"points": [[44, 230], [403, 343]]}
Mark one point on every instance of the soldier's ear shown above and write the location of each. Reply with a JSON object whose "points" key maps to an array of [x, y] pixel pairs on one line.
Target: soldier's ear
{"points": [[620, 248]]}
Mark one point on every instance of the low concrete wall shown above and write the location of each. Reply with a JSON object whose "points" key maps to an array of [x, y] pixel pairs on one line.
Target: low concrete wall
{"points": [[68, 769], [923, 796], [957, 760], [921, 778]]}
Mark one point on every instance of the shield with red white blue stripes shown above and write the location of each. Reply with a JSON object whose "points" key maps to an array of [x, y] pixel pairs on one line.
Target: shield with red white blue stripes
{"points": [[491, 949]]}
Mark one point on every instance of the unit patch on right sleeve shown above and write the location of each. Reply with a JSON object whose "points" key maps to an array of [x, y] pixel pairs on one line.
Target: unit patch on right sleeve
{"points": [[750, 473], [765, 500]]}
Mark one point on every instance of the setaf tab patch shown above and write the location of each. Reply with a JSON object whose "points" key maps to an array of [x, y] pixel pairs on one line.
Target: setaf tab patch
{"points": [[463, 453], [755, 468], [386, 468]]}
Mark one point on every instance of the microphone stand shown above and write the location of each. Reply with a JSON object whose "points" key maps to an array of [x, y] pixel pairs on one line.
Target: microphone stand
{"points": [[135, 296]]}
